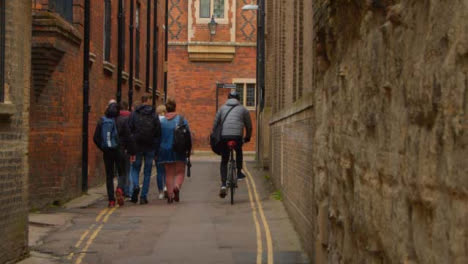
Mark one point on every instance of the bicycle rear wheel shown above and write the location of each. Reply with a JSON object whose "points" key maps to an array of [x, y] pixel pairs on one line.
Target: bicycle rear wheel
{"points": [[232, 185]]}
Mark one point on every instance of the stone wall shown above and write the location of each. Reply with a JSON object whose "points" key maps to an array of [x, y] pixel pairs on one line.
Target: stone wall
{"points": [[376, 171], [13, 132]]}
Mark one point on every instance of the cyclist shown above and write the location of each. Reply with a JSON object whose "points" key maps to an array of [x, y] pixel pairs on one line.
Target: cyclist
{"points": [[233, 129]]}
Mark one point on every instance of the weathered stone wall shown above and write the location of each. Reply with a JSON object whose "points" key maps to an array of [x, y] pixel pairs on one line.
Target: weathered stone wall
{"points": [[383, 172], [13, 132]]}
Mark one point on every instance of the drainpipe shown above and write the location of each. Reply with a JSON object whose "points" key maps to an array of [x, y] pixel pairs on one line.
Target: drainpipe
{"points": [[120, 52], [155, 50], [148, 43], [130, 81], [260, 74], [165, 49], [86, 108]]}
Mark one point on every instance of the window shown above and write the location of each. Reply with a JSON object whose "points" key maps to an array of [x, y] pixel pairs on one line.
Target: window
{"points": [[62, 7], [246, 88], [209, 7], [2, 50], [107, 29], [137, 42]]}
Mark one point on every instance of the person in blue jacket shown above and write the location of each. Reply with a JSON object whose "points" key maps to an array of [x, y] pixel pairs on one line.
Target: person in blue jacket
{"points": [[174, 163]]}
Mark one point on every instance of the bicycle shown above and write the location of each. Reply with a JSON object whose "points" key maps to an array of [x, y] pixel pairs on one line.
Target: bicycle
{"points": [[231, 181]]}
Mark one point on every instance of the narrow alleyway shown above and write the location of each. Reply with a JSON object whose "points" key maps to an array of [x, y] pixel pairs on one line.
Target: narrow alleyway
{"points": [[202, 228]]}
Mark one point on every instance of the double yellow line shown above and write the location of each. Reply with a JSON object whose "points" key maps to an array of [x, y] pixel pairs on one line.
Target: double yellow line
{"points": [[101, 219], [256, 204]]}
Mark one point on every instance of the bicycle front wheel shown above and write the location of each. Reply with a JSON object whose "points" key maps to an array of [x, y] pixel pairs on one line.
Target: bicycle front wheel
{"points": [[232, 186]]}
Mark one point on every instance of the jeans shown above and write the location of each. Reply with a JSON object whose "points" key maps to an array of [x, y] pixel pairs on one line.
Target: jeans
{"points": [[161, 177], [125, 160], [225, 157], [135, 172], [112, 161]]}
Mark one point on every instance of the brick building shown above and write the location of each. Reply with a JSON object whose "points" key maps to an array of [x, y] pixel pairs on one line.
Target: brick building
{"points": [[15, 47], [199, 60], [366, 104], [57, 96]]}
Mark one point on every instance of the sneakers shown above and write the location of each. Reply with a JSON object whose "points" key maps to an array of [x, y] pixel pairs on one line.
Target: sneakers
{"points": [[120, 197], [222, 192], [143, 200], [170, 200], [161, 196], [176, 194], [111, 204], [240, 175], [135, 194]]}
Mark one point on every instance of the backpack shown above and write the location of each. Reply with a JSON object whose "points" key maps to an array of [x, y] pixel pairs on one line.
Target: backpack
{"points": [[144, 128], [109, 134], [182, 140]]}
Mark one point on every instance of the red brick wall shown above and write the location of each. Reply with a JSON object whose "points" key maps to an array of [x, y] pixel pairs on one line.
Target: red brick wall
{"points": [[193, 85], [56, 110]]}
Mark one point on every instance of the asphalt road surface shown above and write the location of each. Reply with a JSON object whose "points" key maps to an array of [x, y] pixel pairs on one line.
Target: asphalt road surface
{"points": [[201, 228]]}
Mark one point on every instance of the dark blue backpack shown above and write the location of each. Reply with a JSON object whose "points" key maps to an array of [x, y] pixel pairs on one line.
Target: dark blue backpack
{"points": [[109, 134]]}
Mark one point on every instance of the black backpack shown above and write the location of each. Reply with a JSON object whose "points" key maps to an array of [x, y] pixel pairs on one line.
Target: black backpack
{"points": [[144, 128], [182, 140]]}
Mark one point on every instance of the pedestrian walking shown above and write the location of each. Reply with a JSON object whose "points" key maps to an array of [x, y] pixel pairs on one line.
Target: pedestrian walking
{"points": [[145, 133], [106, 139], [176, 144], [124, 140], [161, 176]]}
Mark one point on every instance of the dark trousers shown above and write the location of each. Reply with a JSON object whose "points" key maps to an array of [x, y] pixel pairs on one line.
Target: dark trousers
{"points": [[112, 160], [225, 156]]}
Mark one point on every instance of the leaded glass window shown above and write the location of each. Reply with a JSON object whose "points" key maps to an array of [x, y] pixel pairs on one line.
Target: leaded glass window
{"points": [[218, 8], [247, 94], [250, 97]]}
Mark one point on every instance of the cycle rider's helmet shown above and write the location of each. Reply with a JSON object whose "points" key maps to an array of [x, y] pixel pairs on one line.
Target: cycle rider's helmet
{"points": [[233, 94]]}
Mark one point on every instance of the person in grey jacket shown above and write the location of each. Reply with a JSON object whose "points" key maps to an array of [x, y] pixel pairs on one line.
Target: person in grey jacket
{"points": [[233, 129]]}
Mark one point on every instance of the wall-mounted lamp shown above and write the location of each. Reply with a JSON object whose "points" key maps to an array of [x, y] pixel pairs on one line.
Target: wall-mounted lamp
{"points": [[212, 26]]}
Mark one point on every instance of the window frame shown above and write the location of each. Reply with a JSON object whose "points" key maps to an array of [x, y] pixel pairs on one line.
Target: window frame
{"points": [[245, 82], [203, 20], [107, 30]]}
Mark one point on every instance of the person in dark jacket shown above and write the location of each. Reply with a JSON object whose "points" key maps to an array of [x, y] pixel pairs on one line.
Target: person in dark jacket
{"points": [[233, 129], [145, 133], [125, 144], [111, 158]]}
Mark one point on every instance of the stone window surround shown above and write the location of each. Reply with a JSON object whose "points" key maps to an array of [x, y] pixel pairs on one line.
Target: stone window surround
{"points": [[200, 20], [246, 81]]}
